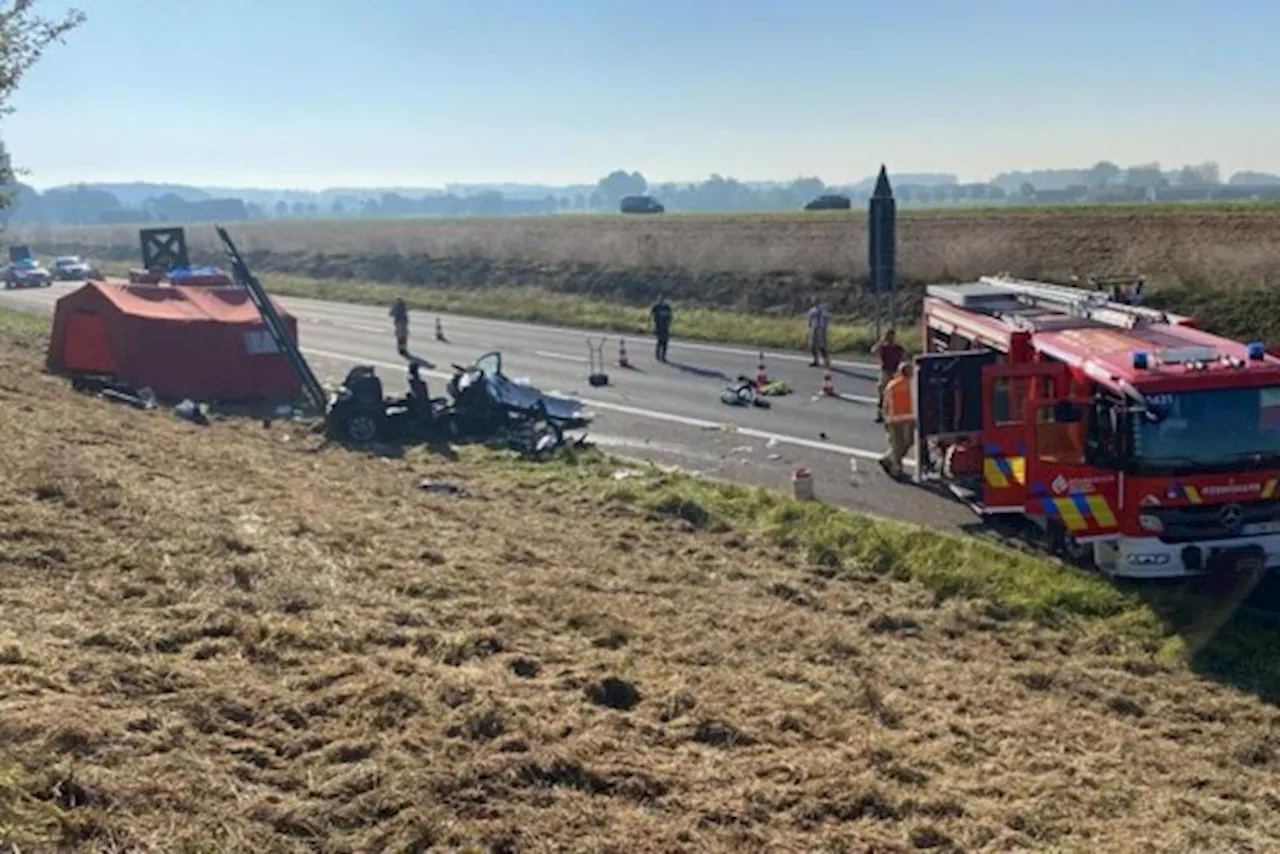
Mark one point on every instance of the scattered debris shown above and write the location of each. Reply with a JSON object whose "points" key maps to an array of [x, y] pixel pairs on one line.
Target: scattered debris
{"points": [[135, 401], [623, 474], [802, 484], [444, 489], [743, 393], [777, 388], [614, 693], [189, 410], [742, 449], [595, 357]]}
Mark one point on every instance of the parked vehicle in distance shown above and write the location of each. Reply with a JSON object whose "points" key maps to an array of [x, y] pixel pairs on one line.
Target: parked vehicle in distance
{"points": [[27, 273], [829, 202], [641, 205], [71, 268]]}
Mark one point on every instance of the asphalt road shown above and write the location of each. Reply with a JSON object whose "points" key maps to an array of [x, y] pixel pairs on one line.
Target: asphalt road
{"points": [[668, 413]]}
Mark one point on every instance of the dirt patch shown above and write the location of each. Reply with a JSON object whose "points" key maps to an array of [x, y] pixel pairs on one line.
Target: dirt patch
{"points": [[357, 695]]}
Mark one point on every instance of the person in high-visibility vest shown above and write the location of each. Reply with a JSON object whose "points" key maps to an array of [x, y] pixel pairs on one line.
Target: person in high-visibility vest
{"points": [[899, 420], [890, 353]]}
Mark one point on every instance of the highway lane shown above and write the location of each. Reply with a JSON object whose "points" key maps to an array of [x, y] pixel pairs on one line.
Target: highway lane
{"points": [[669, 413]]}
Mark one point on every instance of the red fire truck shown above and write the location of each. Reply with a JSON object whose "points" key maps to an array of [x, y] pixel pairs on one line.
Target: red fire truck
{"points": [[1133, 440]]}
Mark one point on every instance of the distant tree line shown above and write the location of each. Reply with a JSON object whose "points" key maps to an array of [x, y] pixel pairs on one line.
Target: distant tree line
{"points": [[85, 204], [1102, 183]]}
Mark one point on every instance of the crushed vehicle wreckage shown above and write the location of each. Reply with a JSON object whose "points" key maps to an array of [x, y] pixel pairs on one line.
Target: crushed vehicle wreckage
{"points": [[483, 404]]}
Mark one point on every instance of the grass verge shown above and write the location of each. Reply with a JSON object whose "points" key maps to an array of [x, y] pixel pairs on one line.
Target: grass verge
{"points": [[534, 305], [1146, 619]]}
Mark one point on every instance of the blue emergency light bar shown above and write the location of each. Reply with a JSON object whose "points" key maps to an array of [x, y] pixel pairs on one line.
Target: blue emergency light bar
{"points": [[1257, 351], [1141, 360]]}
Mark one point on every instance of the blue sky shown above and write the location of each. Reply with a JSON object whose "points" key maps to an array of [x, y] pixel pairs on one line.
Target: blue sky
{"points": [[315, 93]]}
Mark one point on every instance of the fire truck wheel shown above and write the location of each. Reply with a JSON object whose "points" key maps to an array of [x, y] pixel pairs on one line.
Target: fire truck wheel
{"points": [[1068, 548]]}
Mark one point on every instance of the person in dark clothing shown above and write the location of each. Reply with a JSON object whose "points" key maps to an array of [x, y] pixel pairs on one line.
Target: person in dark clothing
{"points": [[400, 315], [661, 314]]}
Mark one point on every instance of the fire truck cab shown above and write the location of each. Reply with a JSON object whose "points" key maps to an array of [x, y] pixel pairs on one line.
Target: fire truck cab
{"points": [[1134, 441]]}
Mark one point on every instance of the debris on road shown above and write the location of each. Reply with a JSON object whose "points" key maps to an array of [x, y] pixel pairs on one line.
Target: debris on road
{"points": [[595, 358], [802, 485], [444, 489], [743, 393], [776, 388]]}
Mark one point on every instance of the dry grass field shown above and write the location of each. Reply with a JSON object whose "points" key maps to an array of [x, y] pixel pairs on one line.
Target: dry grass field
{"points": [[231, 639], [1228, 246], [1223, 264]]}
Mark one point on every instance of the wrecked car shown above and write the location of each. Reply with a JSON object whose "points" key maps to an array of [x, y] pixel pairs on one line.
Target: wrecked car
{"points": [[482, 404]]}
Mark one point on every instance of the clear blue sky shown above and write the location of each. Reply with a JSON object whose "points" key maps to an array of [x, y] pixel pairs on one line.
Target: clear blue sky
{"points": [[314, 93]]}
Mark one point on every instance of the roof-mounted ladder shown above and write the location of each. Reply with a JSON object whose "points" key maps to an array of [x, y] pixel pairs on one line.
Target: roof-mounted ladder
{"points": [[1093, 305]]}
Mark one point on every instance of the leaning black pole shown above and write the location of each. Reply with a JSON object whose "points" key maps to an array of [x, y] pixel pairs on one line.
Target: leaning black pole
{"points": [[882, 248], [274, 323]]}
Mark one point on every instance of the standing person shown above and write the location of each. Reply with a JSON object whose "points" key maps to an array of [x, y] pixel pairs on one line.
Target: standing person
{"points": [[661, 316], [899, 420], [890, 354], [819, 320], [400, 314]]}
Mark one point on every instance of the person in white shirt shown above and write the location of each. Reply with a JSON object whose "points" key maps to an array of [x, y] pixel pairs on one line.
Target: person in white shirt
{"points": [[819, 320]]}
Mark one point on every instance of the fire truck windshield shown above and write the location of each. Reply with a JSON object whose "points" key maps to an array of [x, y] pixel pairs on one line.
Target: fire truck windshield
{"points": [[1219, 430]]}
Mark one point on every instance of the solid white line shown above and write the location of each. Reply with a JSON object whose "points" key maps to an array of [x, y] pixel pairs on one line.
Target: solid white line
{"points": [[859, 398], [342, 324], [562, 356], [670, 417]]}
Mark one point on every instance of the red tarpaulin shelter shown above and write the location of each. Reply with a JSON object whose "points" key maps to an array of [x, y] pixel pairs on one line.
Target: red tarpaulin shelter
{"points": [[203, 343]]}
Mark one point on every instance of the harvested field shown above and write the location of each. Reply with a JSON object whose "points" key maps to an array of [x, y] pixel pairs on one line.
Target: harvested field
{"points": [[1226, 247], [1224, 263], [228, 639]]}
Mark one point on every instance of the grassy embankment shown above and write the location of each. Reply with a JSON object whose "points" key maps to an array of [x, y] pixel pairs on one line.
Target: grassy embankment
{"points": [[228, 639]]}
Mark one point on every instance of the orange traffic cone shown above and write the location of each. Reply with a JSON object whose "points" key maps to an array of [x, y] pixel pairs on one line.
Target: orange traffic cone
{"points": [[762, 377], [828, 385], [622, 354]]}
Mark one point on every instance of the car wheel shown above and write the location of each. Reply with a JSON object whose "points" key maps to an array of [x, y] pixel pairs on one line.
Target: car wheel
{"points": [[361, 429]]}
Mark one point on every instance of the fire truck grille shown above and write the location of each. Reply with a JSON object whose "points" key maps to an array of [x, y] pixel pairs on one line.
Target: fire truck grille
{"points": [[1208, 521]]}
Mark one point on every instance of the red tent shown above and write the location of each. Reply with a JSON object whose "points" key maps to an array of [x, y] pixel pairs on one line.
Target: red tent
{"points": [[204, 343]]}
